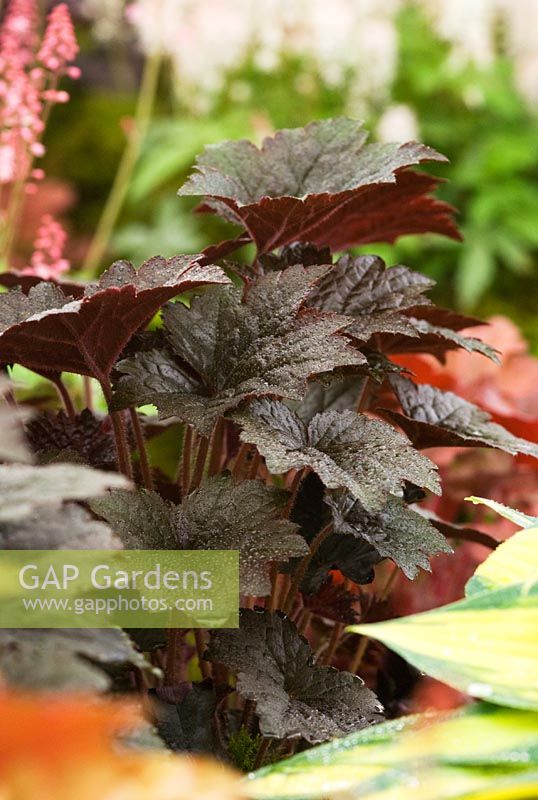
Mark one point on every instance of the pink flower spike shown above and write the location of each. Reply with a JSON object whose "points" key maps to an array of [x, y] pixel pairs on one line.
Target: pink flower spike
{"points": [[18, 34], [47, 261], [59, 45]]}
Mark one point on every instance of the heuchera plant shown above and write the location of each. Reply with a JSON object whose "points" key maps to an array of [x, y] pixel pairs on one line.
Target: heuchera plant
{"points": [[299, 439]]}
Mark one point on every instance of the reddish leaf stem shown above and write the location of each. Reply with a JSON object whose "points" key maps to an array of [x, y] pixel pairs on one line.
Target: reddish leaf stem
{"points": [[200, 650], [186, 456], [65, 397], [217, 444], [198, 473], [240, 460], [120, 433], [145, 466], [303, 566]]}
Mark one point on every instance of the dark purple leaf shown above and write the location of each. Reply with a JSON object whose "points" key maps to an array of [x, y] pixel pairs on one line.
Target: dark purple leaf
{"points": [[47, 331], [434, 418], [321, 184], [345, 449], [294, 697], [227, 347]]}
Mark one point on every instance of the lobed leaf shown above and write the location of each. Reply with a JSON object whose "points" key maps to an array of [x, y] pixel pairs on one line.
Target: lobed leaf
{"points": [[226, 348], [68, 528], [354, 558], [321, 184], [25, 489], [58, 437], [143, 519], [47, 331], [275, 668], [220, 515], [183, 716], [346, 450], [435, 418], [245, 516], [363, 288], [334, 602], [65, 659], [396, 531]]}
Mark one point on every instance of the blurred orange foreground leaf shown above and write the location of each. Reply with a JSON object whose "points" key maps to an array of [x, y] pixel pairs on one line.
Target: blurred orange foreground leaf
{"points": [[60, 747]]}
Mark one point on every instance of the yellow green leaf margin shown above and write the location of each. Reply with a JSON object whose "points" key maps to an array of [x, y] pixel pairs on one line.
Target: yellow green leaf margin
{"points": [[483, 752], [486, 645]]}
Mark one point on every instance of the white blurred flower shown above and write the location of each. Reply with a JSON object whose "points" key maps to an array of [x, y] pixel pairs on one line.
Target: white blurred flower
{"points": [[352, 41], [468, 24], [107, 16], [398, 124]]}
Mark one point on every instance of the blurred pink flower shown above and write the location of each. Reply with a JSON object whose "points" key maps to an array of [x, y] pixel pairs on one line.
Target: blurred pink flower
{"points": [[59, 45], [47, 259], [28, 77]]}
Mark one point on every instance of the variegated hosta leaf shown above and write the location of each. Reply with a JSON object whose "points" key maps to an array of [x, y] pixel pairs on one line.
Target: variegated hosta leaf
{"points": [[24, 489], [245, 516], [515, 560], [346, 450], [65, 659], [396, 531], [227, 347], [321, 184], [482, 752], [363, 288], [274, 667], [66, 528], [511, 514], [434, 418], [486, 645]]}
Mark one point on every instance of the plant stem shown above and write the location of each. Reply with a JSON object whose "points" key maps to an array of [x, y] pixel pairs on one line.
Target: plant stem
{"points": [[253, 466], [65, 397], [217, 442], [298, 478], [262, 752], [303, 566], [240, 459], [88, 392], [333, 642], [119, 429], [200, 650], [385, 591], [120, 187], [303, 621], [359, 654], [363, 398], [172, 666], [145, 466], [275, 588], [186, 455], [198, 474], [248, 711], [122, 446]]}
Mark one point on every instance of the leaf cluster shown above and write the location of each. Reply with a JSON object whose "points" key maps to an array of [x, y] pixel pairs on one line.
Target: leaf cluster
{"points": [[300, 437]]}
